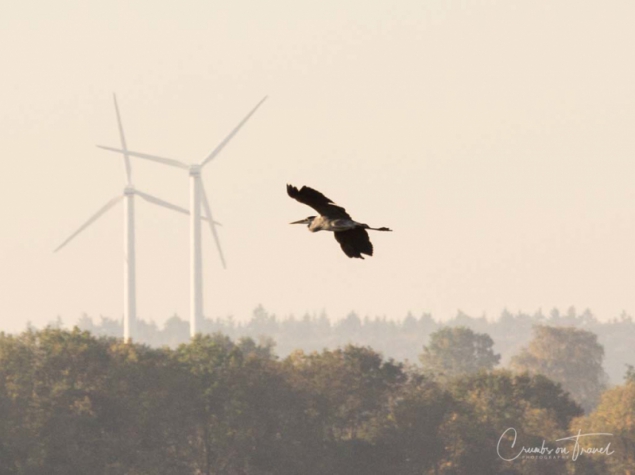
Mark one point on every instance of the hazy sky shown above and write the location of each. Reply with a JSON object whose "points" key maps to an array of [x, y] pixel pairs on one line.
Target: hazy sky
{"points": [[494, 137]]}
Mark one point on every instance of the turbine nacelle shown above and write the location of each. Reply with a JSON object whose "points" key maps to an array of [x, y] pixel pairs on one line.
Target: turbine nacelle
{"points": [[195, 169]]}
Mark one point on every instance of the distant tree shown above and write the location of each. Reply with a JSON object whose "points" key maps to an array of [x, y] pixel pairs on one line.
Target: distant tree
{"points": [[176, 331], [571, 318], [110, 326], [458, 351], [147, 332], [347, 388], [297, 332], [86, 323], [322, 326], [502, 397], [615, 414], [78, 404], [263, 349], [489, 404], [569, 356], [350, 326], [242, 413], [462, 319], [629, 377], [50, 400], [409, 324], [57, 323], [410, 435], [262, 323], [145, 407]]}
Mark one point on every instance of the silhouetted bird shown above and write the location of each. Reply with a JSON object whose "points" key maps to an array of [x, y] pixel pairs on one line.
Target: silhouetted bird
{"points": [[351, 235]]}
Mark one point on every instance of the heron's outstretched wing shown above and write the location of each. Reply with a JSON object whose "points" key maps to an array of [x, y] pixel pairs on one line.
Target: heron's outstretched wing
{"points": [[355, 242], [317, 201]]}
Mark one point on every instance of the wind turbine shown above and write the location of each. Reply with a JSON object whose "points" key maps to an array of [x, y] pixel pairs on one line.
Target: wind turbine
{"points": [[129, 192], [198, 197]]}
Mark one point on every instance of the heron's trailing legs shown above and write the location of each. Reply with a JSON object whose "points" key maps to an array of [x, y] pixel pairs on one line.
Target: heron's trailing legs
{"points": [[366, 226]]}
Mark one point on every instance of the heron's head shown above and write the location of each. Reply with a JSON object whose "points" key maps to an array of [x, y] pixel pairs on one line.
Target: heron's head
{"points": [[306, 221]]}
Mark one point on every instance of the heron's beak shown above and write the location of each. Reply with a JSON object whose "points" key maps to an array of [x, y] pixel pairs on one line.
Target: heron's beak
{"points": [[302, 221]]}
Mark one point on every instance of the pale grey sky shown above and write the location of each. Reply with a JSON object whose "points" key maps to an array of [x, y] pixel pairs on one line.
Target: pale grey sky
{"points": [[494, 137]]}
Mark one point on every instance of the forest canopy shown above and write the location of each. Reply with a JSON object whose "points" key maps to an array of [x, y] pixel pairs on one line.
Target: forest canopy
{"points": [[74, 402]]}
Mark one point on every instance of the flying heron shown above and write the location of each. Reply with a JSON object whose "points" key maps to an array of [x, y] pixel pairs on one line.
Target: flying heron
{"points": [[351, 235]]}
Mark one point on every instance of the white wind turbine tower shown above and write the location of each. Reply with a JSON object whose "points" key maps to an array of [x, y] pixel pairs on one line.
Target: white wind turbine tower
{"points": [[197, 197], [129, 192]]}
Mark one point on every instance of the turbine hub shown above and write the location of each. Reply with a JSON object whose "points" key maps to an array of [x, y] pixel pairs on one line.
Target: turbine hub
{"points": [[195, 170], [129, 190]]}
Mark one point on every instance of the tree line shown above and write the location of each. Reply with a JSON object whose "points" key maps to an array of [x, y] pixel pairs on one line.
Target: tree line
{"points": [[75, 402], [398, 339]]}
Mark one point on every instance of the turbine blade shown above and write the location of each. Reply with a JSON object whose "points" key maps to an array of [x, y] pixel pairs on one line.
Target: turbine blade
{"points": [[160, 202], [126, 158], [154, 158], [221, 145], [166, 204], [212, 226], [91, 220]]}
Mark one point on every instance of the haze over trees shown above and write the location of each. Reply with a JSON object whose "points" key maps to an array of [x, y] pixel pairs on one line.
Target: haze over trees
{"points": [[457, 351], [569, 356], [399, 339]]}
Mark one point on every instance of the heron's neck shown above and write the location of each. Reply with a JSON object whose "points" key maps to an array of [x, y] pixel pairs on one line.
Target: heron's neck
{"points": [[317, 224]]}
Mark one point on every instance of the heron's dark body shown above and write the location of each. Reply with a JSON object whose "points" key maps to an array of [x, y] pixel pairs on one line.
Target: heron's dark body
{"points": [[351, 235], [322, 223]]}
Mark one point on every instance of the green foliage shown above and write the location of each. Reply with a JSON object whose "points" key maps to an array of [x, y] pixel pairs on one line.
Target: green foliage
{"points": [[503, 398], [76, 402], [536, 407], [238, 403], [345, 389], [410, 437], [458, 351], [569, 356], [71, 403], [615, 414]]}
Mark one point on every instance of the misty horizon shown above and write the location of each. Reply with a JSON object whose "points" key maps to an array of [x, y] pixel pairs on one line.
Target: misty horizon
{"points": [[501, 158]]}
